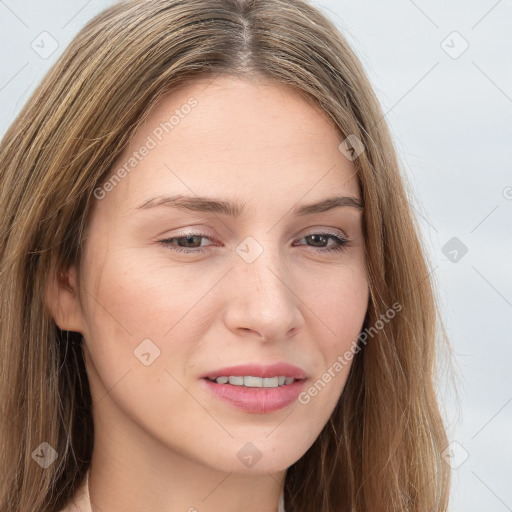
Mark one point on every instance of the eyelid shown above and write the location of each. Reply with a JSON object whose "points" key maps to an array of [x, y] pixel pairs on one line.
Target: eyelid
{"points": [[327, 231], [309, 231], [342, 241]]}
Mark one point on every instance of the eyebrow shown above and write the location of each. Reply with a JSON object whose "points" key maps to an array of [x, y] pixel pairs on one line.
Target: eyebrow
{"points": [[234, 209]]}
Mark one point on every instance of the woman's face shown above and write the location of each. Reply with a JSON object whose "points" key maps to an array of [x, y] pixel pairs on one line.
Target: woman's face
{"points": [[256, 282]]}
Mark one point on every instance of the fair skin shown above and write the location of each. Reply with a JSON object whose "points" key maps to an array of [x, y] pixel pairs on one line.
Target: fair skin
{"points": [[163, 442]]}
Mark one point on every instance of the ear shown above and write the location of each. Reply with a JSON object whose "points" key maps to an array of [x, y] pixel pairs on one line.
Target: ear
{"points": [[63, 300]]}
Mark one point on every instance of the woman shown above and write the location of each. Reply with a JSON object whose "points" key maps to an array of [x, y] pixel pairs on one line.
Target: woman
{"points": [[214, 292]]}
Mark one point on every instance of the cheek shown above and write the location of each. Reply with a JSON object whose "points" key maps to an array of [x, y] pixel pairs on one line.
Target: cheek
{"points": [[338, 301], [146, 320], [338, 311], [141, 335], [143, 297]]}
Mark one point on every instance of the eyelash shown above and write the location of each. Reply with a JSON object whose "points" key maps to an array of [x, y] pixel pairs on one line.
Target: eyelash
{"points": [[342, 243]]}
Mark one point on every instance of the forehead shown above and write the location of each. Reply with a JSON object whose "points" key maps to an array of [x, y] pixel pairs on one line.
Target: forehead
{"points": [[229, 135]]}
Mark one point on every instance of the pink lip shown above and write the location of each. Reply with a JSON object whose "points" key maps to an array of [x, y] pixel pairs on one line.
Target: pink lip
{"points": [[258, 370], [257, 400]]}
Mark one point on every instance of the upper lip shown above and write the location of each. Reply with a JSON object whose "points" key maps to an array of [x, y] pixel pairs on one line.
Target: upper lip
{"points": [[258, 370]]}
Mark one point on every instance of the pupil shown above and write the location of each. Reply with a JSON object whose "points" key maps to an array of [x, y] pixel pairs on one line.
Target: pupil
{"points": [[317, 237], [189, 239]]}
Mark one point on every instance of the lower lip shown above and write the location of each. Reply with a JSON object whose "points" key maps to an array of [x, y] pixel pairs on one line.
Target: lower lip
{"points": [[257, 400]]}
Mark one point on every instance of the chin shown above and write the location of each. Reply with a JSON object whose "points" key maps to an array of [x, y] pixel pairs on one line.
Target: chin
{"points": [[253, 457]]}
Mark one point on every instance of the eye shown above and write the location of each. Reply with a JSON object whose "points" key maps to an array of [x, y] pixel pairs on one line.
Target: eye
{"points": [[191, 242], [318, 239], [185, 242]]}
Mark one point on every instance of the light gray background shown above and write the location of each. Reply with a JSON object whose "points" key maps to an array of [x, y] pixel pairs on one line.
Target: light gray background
{"points": [[450, 112]]}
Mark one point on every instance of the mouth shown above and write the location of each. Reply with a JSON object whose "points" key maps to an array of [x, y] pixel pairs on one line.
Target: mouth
{"points": [[257, 375], [250, 381], [255, 388]]}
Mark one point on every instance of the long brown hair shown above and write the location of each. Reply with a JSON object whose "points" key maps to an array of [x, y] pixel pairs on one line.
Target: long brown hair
{"points": [[381, 449]]}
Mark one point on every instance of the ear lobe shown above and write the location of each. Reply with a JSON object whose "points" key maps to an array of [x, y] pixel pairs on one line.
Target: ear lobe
{"points": [[63, 301]]}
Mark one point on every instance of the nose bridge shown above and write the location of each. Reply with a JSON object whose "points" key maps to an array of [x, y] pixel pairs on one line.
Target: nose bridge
{"points": [[267, 303], [262, 267]]}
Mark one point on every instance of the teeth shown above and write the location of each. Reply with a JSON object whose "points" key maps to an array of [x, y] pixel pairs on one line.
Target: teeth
{"points": [[272, 382], [256, 382], [253, 382]]}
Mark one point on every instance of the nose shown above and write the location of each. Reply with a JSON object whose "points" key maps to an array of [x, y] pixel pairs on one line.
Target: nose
{"points": [[263, 302]]}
